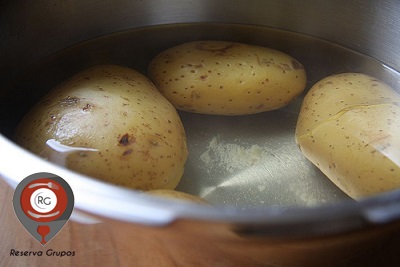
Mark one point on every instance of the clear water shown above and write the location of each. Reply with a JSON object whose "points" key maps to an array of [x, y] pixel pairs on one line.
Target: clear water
{"points": [[245, 160]]}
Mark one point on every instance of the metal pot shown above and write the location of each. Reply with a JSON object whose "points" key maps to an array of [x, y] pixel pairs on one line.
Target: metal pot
{"points": [[183, 233]]}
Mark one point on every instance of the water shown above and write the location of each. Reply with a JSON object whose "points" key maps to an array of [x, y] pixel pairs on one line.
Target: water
{"points": [[247, 160]]}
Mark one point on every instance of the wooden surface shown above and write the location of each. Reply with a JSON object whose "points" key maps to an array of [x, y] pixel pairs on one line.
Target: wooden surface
{"points": [[186, 244]]}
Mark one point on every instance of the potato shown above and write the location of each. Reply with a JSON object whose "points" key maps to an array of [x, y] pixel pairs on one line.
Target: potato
{"points": [[227, 78], [111, 123], [173, 194], [349, 127]]}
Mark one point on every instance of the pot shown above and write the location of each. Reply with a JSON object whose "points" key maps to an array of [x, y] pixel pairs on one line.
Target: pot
{"points": [[39, 49]]}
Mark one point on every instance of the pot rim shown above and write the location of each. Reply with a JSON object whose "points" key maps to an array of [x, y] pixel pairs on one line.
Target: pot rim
{"points": [[132, 206]]}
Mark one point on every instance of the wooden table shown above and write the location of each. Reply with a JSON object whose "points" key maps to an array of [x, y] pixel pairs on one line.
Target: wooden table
{"points": [[181, 244]]}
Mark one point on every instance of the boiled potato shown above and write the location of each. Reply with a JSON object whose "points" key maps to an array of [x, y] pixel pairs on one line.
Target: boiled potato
{"points": [[173, 194], [111, 123], [226, 78], [349, 127]]}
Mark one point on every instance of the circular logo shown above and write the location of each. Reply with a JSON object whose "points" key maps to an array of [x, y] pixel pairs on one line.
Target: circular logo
{"points": [[43, 200]]}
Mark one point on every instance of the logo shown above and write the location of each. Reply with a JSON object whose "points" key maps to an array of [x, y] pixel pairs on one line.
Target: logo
{"points": [[43, 203]]}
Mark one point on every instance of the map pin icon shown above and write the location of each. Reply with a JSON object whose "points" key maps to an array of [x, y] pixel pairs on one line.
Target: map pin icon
{"points": [[43, 203]]}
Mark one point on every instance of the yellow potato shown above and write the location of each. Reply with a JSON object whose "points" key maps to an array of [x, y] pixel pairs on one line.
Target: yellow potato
{"points": [[173, 194], [226, 78], [111, 123], [349, 127]]}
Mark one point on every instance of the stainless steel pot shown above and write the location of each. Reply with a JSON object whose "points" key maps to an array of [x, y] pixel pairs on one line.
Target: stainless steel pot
{"points": [[200, 235]]}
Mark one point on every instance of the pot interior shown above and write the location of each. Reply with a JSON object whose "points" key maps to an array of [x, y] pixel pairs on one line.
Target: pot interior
{"points": [[245, 161]]}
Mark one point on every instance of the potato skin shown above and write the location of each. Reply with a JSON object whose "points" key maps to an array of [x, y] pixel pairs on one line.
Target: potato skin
{"points": [[227, 78], [349, 127], [137, 135]]}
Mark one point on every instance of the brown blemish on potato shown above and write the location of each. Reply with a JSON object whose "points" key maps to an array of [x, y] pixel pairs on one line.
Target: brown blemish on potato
{"points": [[87, 107], [197, 66], [260, 106], [126, 140], [69, 100], [216, 49], [194, 95], [127, 152], [296, 65], [285, 66]]}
